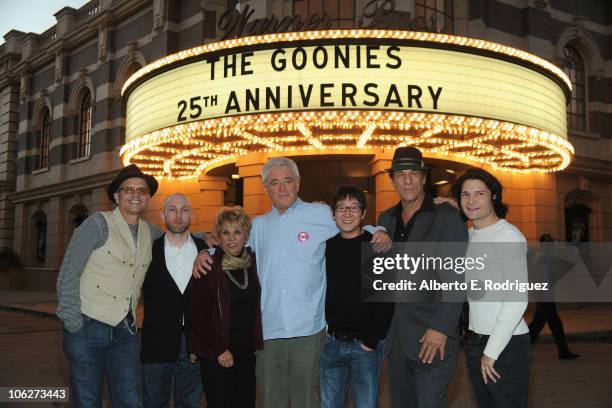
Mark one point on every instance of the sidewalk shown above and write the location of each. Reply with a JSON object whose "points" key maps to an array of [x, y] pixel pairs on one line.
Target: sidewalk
{"points": [[582, 322], [38, 303]]}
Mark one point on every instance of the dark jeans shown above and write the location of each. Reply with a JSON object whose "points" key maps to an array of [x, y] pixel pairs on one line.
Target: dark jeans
{"points": [[99, 350], [546, 312], [344, 362], [232, 387], [159, 378], [511, 390], [417, 384]]}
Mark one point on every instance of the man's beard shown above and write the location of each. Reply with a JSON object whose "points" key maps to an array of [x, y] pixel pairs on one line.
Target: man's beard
{"points": [[179, 230]]}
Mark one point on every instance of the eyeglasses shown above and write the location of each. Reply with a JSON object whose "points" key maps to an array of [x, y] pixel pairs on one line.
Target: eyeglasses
{"points": [[134, 190], [343, 208]]}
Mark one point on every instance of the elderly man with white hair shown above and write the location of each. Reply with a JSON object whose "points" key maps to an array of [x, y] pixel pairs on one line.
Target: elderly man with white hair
{"points": [[289, 244]]}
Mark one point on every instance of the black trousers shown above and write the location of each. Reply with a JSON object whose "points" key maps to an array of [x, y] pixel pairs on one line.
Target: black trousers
{"points": [[232, 387], [511, 390], [546, 312], [419, 385]]}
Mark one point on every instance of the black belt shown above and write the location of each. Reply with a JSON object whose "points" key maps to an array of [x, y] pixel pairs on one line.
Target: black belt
{"points": [[479, 336], [341, 335]]}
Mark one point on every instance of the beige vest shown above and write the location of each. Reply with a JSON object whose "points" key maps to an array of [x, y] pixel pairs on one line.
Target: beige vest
{"points": [[115, 272]]}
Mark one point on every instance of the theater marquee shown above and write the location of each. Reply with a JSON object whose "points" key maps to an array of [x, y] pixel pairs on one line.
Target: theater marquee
{"points": [[348, 90]]}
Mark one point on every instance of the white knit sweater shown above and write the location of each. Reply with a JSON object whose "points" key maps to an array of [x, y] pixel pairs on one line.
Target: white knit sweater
{"points": [[500, 320]]}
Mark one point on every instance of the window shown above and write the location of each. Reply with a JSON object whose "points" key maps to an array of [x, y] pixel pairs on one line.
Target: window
{"points": [[84, 142], [42, 160], [40, 225], [341, 12], [573, 66], [79, 213], [436, 13]]}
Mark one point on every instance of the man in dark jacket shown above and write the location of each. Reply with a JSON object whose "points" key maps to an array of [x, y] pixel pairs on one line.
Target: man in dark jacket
{"points": [[422, 342], [164, 330]]}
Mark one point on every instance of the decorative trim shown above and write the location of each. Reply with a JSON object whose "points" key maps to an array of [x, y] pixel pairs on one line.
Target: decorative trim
{"points": [[585, 44], [39, 171], [79, 159], [64, 188]]}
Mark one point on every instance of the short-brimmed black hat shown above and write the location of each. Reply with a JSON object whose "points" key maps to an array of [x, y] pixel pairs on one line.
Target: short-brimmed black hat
{"points": [[131, 171], [407, 158]]}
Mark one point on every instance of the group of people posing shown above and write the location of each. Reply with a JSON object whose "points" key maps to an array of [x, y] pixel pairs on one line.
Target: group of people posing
{"points": [[277, 301]]}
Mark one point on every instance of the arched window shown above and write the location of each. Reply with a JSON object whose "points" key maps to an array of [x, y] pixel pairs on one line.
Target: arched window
{"points": [[436, 13], [42, 159], [85, 124], [573, 66], [45, 138], [40, 229], [341, 12], [78, 214]]}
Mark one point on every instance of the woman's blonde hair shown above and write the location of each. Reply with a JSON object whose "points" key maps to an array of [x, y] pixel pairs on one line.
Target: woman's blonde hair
{"points": [[233, 215]]}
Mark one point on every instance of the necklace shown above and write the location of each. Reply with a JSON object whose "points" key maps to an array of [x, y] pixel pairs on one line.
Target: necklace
{"points": [[246, 279]]}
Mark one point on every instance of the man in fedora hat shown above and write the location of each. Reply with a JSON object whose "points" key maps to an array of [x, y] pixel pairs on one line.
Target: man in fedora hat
{"points": [[98, 288], [422, 342]]}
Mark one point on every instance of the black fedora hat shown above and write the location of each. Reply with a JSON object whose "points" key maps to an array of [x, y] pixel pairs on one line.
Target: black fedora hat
{"points": [[407, 158], [131, 171]]}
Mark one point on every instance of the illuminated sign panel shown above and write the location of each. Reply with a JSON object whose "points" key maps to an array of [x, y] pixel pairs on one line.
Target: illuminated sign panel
{"points": [[315, 77], [510, 96]]}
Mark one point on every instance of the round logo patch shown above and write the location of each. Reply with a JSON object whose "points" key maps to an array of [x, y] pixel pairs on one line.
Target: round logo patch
{"points": [[303, 236]]}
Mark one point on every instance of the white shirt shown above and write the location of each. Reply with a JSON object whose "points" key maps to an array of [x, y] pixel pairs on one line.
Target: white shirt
{"points": [[506, 250], [179, 261]]}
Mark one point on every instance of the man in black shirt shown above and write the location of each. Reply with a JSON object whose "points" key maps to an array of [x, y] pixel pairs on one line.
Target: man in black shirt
{"points": [[355, 329]]}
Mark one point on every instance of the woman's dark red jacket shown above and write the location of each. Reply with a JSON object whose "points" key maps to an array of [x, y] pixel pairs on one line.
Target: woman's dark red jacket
{"points": [[209, 310]]}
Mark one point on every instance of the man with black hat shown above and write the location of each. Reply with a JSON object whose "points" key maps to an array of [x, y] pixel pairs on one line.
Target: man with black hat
{"points": [[422, 343], [98, 288]]}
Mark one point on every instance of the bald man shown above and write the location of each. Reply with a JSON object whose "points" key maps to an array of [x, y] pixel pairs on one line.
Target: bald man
{"points": [[164, 330]]}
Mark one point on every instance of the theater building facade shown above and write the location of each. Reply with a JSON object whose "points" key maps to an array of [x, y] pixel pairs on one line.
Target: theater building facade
{"points": [[200, 93]]}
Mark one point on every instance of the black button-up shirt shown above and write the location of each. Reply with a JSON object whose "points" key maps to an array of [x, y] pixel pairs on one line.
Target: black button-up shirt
{"points": [[402, 232]]}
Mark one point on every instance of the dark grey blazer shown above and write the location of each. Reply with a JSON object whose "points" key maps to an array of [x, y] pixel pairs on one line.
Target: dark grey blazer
{"points": [[442, 223]]}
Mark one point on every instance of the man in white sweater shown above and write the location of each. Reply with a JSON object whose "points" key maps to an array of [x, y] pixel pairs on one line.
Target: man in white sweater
{"points": [[499, 348]]}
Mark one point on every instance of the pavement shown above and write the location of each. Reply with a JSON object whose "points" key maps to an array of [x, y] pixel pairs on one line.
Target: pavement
{"points": [[581, 321], [31, 344], [39, 303]]}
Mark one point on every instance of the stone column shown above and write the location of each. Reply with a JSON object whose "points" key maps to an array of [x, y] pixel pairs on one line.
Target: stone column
{"points": [[9, 118], [211, 198], [100, 200], [20, 225], [255, 200], [20, 230], [532, 198], [385, 193], [55, 220]]}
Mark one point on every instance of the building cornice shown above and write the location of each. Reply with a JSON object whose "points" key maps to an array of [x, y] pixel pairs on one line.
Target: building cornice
{"points": [[591, 167], [7, 66], [65, 188], [80, 35], [8, 80], [7, 185]]}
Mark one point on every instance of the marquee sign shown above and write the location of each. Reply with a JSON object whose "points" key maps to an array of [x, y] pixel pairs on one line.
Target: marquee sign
{"points": [[347, 89]]}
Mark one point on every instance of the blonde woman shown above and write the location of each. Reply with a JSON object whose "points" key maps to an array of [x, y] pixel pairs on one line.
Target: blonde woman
{"points": [[224, 312]]}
